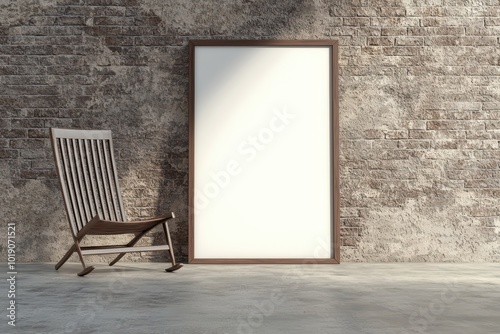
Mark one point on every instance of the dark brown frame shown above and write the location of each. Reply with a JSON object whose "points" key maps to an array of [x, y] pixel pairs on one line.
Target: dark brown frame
{"points": [[334, 133]]}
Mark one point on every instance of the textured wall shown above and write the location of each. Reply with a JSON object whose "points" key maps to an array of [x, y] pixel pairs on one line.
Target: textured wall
{"points": [[420, 112]]}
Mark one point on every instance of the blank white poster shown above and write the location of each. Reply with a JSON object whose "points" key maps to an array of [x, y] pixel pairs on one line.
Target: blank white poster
{"points": [[262, 168]]}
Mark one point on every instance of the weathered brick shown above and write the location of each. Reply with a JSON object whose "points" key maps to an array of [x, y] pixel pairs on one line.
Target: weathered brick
{"points": [[70, 113], [455, 125], [471, 164], [351, 222], [409, 41], [399, 31], [434, 31], [38, 133], [26, 123], [439, 134], [400, 51], [37, 174], [68, 70], [43, 164], [33, 154], [492, 21], [114, 21], [384, 144], [113, 11], [356, 144], [452, 21], [8, 70], [119, 40], [483, 211], [27, 143], [144, 31], [74, 10], [14, 133], [491, 106], [446, 144], [70, 20], [31, 70], [103, 30], [478, 41], [483, 31], [425, 11], [395, 22], [38, 49], [8, 154], [488, 11], [471, 174], [152, 21], [396, 134], [43, 20], [373, 134], [392, 11], [447, 115], [376, 41], [492, 124], [482, 183], [414, 144], [356, 21], [155, 40], [442, 41], [481, 134]]}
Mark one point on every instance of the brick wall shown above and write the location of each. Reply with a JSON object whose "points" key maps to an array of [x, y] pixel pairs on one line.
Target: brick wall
{"points": [[420, 112]]}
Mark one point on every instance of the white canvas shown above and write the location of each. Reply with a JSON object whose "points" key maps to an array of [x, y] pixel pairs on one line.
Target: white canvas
{"points": [[262, 152]]}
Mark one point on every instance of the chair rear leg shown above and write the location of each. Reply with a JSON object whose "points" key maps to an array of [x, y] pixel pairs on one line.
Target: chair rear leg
{"points": [[86, 270], [175, 266], [65, 257]]}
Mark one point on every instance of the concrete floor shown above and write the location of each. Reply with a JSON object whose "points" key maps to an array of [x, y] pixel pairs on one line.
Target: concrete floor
{"points": [[346, 298]]}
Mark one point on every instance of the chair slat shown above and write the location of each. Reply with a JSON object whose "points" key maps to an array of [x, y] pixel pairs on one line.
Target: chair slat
{"points": [[98, 176], [89, 150], [87, 176], [79, 164], [74, 184], [119, 200], [64, 189], [75, 215], [110, 179], [105, 182]]}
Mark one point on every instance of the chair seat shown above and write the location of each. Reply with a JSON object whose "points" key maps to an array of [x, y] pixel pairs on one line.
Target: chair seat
{"points": [[98, 226]]}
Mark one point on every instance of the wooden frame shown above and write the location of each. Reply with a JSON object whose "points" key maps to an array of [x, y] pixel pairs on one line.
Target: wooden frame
{"points": [[208, 57]]}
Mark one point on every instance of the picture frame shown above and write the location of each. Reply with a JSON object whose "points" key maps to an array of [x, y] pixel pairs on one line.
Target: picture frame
{"points": [[263, 151]]}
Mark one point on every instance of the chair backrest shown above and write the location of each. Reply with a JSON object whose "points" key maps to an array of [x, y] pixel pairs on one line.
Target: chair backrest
{"points": [[87, 174]]}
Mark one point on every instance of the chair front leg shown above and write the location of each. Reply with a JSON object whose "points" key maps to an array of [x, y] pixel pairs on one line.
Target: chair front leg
{"points": [[65, 257], [86, 270]]}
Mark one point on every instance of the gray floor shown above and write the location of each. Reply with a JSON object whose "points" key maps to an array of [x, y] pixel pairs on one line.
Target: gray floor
{"points": [[345, 298]]}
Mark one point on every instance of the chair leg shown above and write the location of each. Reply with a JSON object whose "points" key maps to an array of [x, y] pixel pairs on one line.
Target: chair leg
{"points": [[118, 258], [175, 266], [65, 257], [86, 270], [130, 244]]}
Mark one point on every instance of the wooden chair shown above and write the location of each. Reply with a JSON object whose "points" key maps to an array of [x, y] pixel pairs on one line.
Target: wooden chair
{"points": [[87, 174]]}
